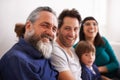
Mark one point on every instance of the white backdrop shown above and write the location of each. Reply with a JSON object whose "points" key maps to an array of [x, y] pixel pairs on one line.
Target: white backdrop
{"points": [[14, 11]]}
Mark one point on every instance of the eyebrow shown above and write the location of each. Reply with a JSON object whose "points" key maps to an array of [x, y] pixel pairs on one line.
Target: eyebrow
{"points": [[49, 24]]}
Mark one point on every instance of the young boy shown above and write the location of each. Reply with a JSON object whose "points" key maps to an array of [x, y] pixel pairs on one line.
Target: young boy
{"points": [[86, 53]]}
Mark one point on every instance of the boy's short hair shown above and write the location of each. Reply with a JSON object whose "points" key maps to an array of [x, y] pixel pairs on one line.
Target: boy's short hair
{"points": [[84, 47]]}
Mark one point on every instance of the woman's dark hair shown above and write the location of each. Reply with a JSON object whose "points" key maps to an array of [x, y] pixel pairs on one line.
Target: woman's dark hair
{"points": [[98, 39]]}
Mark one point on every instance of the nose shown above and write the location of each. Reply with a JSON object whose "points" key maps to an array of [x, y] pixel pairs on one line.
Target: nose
{"points": [[91, 56], [50, 33], [72, 33], [91, 26]]}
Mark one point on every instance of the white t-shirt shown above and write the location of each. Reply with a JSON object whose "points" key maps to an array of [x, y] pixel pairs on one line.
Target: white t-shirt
{"points": [[62, 61]]}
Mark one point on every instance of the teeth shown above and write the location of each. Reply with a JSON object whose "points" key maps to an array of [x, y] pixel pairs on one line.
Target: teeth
{"points": [[91, 31], [70, 38]]}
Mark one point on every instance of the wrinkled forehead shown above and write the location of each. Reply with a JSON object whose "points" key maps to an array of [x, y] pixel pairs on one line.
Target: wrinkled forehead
{"points": [[49, 17]]}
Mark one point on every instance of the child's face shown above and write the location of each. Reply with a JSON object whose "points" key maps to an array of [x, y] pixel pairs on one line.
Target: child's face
{"points": [[88, 58]]}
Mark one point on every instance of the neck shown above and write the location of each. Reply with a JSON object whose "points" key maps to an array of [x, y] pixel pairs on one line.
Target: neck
{"points": [[66, 49], [91, 40], [62, 45]]}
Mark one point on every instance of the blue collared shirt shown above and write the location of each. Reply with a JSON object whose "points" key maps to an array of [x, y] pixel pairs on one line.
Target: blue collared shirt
{"points": [[24, 62]]}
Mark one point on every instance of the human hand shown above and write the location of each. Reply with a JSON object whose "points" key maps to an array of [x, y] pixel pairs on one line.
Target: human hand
{"points": [[105, 78]]}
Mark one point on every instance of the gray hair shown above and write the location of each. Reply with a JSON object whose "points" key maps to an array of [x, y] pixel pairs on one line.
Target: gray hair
{"points": [[35, 13]]}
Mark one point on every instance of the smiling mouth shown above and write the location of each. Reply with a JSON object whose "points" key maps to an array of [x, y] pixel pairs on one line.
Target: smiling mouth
{"points": [[91, 31], [46, 37]]}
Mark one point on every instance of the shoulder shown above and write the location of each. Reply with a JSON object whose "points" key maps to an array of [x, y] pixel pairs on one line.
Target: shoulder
{"points": [[59, 58], [85, 73], [12, 58], [74, 46], [95, 67], [58, 51], [105, 39]]}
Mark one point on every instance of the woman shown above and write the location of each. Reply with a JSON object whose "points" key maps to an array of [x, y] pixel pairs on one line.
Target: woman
{"points": [[105, 58]]}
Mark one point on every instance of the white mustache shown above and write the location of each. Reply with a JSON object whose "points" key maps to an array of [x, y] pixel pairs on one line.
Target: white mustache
{"points": [[47, 36]]}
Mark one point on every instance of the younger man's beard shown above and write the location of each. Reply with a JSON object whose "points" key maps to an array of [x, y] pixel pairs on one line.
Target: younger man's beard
{"points": [[44, 47]]}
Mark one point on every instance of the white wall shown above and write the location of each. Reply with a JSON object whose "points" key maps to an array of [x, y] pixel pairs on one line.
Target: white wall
{"points": [[113, 25], [113, 20], [116, 48], [14, 11]]}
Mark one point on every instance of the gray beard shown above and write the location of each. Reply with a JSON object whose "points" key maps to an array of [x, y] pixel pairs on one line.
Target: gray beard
{"points": [[45, 48]]}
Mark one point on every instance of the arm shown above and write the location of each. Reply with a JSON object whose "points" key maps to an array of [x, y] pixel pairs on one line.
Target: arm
{"points": [[102, 69], [65, 75], [21, 70], [105, 58], [105, 78], [113, 63]]}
